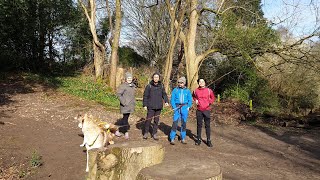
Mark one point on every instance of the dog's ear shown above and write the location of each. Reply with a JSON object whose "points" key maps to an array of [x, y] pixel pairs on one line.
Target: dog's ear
{"points": [[111, 127]]}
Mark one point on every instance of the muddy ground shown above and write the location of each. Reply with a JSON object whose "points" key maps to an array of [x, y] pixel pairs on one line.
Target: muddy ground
{"points": [[34, 118]]}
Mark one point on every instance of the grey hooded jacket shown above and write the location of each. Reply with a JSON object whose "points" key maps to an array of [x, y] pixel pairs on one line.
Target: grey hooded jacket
{"points": [[126, 95]]}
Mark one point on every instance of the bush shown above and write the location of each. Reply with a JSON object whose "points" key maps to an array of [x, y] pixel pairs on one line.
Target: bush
{"points": [[238, 93], [264, 99], [245, 84]]}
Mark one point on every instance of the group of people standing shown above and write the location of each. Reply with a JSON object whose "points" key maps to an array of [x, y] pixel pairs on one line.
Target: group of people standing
{"points": [[155, 97]]}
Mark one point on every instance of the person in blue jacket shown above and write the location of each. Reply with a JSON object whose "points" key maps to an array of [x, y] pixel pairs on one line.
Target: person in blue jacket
{"points": [[181, 102]]}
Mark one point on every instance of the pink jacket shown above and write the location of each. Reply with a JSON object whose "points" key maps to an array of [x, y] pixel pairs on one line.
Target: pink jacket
{"points": [[205, 97]]}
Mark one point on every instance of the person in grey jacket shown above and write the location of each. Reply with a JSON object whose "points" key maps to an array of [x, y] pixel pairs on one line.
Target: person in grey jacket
{"points": [[126, 95], [153, 97]]}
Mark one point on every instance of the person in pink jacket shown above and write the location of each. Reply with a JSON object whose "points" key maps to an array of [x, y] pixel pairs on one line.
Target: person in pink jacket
{"points": [[203, 97]]}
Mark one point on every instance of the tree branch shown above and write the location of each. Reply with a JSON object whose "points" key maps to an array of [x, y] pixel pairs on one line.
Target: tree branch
{"points": [[151, 5], [202, 56], [110, 22]]}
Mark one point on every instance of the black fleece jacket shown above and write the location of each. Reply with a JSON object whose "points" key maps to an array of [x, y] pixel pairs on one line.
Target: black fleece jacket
{"points": [[154, 95]]}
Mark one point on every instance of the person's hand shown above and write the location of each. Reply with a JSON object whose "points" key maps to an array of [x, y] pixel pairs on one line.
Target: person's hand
{"points": [[166, 104], [145, 108], [197, 102]]}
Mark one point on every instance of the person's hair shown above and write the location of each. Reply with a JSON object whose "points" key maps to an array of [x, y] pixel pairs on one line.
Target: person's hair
{"points": [[156, 73], [199, 80]]}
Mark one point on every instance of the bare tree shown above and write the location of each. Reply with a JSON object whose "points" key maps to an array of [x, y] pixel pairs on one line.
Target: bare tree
{"points": [[188, 37], [174, 36], [98, 48], [147, 29]]}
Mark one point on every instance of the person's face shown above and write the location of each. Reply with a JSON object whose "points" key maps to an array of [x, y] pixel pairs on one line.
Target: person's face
{"points": [[156, 78], [202, 83], [129, 80], [181, 84]]}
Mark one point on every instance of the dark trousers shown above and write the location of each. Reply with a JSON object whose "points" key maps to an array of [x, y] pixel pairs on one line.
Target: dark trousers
{"points": [[200, 116], [124, 123], [152, 114]]}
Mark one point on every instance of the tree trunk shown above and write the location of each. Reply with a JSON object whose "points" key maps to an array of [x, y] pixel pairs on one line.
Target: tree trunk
{"points": [[190, 52], [120, 76], [99, 57], [192, 71], [115, 46], [50, 46], [124, 161], [174, 35], [98, 48], [192, 59], [168, 68]]}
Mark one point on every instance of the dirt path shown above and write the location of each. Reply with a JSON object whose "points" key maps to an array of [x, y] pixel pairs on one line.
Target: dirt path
{"points": [[41, 119]]}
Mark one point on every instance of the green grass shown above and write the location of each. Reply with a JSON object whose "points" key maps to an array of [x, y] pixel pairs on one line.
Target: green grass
{"points": [[86, 88], [36, 159]]}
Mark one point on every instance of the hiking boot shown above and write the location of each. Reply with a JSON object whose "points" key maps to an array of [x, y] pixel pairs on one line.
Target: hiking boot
{"points": [[155, 137], [198, 142], [117, 133], [172, 142], [126, 135], [145, 136], [209, 144], [183, 141]]}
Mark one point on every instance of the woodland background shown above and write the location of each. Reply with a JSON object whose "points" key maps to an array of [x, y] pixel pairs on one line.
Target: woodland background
{"points": [[242, 55]]}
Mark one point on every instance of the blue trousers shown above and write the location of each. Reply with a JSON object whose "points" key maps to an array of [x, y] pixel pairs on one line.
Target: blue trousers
{"points": [[180, 114]]}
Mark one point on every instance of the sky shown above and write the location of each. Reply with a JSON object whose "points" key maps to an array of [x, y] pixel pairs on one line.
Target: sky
{"points": [[301, 17]]}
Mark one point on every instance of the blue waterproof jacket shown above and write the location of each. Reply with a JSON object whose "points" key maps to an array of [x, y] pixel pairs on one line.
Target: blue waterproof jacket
{"points": [[181, 96]]}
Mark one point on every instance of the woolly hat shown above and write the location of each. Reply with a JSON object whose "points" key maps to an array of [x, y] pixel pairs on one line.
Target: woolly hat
{"points": [[182, 79], [128, 75]]}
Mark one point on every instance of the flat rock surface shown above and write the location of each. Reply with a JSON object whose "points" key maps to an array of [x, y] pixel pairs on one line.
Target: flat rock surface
{"points": [[178, 166]]}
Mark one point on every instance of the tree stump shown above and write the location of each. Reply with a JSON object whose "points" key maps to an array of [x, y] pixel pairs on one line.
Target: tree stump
{"points": [[182, 167], [123, 161]]}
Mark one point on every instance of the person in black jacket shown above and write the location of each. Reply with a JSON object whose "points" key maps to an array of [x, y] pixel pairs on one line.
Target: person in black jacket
{"points": [[153, 97]]}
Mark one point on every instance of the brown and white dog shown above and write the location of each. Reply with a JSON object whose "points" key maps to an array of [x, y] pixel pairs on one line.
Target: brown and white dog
{"points": [[96, 134]]}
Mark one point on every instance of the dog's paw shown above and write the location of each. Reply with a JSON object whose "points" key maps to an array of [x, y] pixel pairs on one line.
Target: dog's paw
{"points": [[81, 145]]}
